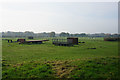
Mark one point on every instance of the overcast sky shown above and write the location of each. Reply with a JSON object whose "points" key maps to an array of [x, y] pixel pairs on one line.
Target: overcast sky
{"points": [[73, 17]]}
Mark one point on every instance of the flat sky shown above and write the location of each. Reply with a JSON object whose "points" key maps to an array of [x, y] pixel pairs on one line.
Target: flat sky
{"points": [[72, 17]]}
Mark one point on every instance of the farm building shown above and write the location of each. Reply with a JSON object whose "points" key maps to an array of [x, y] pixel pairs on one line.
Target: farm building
{"points": [[64, 42], [30, 37]]}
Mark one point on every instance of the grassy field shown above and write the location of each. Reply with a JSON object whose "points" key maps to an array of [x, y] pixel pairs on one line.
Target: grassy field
{"points": [[49, 61]]}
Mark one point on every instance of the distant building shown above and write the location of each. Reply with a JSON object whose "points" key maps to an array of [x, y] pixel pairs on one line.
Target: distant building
{"points": [[30, 37]]}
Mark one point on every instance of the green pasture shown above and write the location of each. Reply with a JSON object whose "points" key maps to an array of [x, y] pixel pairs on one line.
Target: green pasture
{"points": [[64, 61]]}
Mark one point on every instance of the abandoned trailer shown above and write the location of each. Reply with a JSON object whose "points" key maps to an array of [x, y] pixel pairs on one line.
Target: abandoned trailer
{"points": [[35, 41], [112, 39], [72, 40], [21, 40], [31, 41], [64, 42]]}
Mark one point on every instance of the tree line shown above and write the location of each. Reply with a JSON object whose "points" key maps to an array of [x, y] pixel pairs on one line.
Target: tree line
{"points": [[53, 34]]}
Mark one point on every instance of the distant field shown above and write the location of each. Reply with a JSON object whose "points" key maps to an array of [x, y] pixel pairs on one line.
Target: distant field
{"points": [[48, 60]]}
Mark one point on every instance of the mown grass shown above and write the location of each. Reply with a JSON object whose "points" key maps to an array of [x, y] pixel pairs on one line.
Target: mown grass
{"points": [[60, 61]]}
